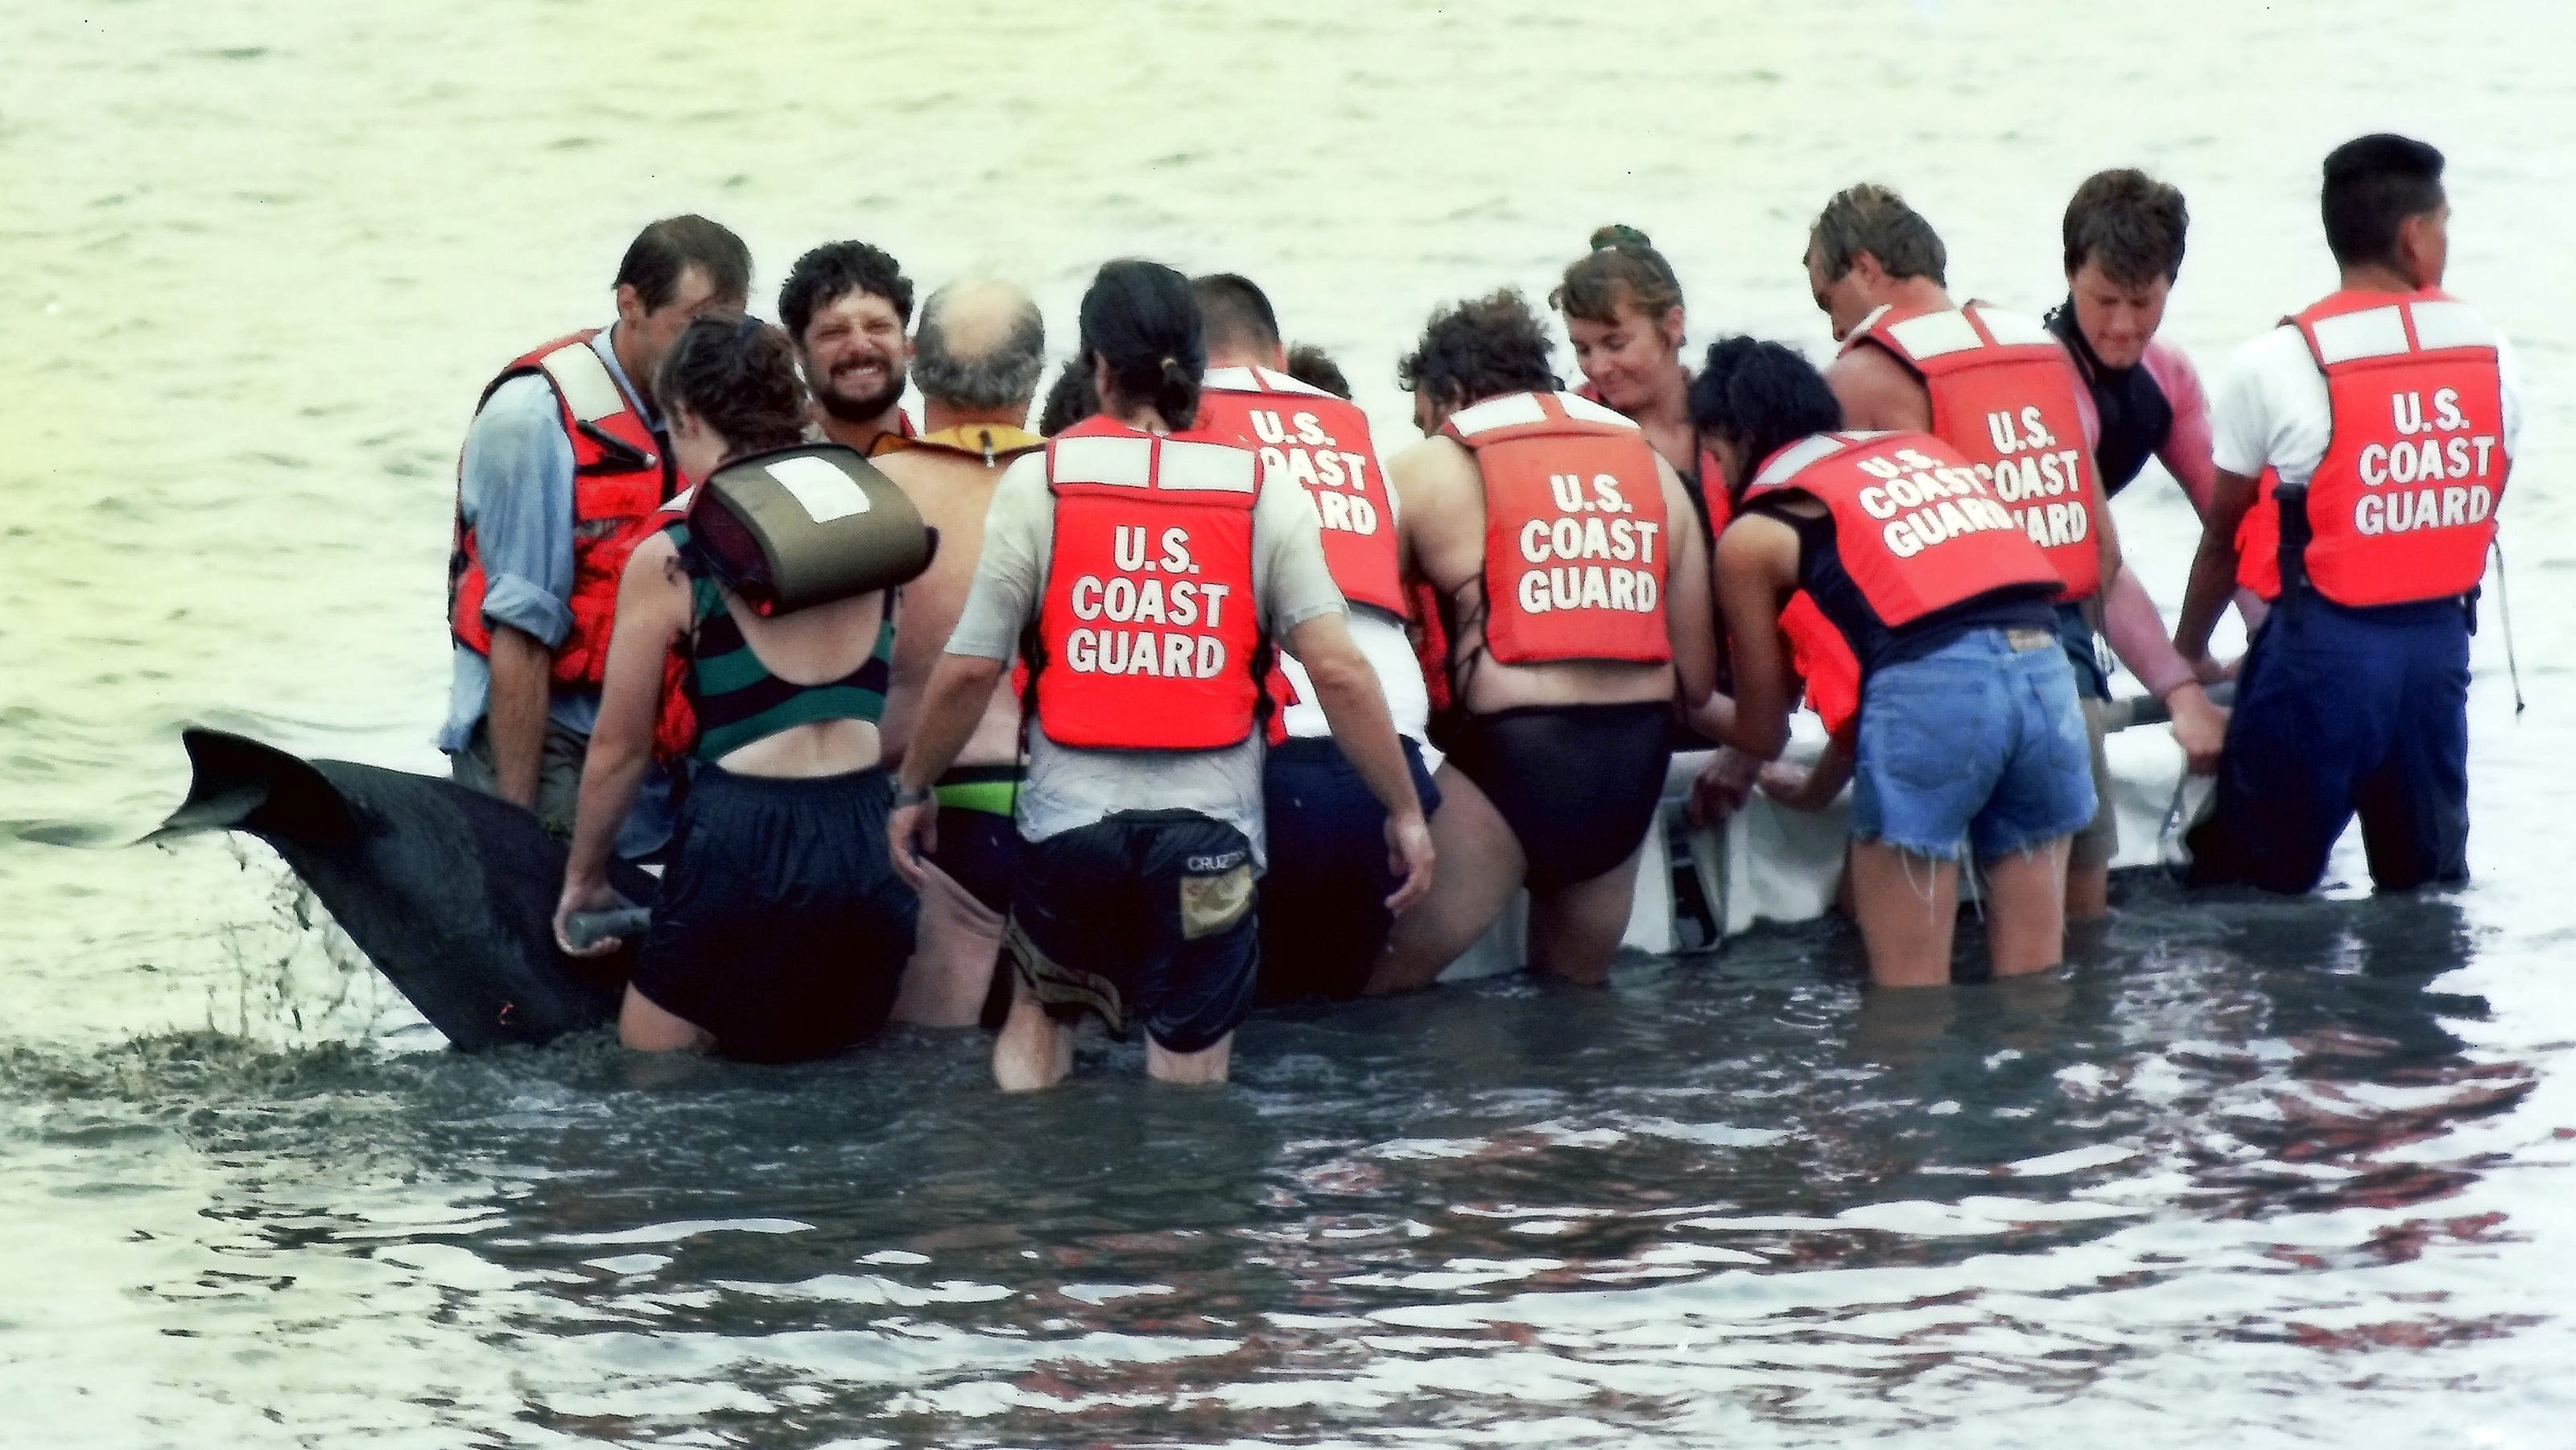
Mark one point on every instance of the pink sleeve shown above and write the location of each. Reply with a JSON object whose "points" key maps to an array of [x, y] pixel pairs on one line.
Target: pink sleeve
{"points": [[2137, 636], [2187, 446], [2085, 407]]}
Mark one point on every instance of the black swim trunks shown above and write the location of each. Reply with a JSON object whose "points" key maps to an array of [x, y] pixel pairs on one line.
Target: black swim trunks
{"points": [[979, 844], [782, 928], [1147, 917], [1578, 784], [1323, 902]]}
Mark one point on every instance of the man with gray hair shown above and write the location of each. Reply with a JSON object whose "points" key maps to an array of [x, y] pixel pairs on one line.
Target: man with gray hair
{"points": [[976, 358]]}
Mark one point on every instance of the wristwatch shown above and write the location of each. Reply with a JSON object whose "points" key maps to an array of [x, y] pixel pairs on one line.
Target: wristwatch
{"points": [[909, 795]]}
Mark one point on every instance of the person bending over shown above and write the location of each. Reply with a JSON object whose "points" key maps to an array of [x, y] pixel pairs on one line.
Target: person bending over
{"points": [[1968, 731], [781, 931], [1578, 619]]}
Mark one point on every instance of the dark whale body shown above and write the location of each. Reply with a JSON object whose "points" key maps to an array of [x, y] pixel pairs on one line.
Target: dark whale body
{"points": [[450, 893]]}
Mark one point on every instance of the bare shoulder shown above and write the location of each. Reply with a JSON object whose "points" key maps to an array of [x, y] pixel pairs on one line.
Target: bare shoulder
{"points": [[1877, 391], [1758, 545], [1434, 465]]}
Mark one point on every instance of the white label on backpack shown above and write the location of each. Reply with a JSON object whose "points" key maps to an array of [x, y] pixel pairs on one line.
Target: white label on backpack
{"points": [[826, 492]]}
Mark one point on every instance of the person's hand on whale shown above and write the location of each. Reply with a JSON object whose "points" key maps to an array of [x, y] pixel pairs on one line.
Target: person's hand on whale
{"points": [[583, 893]]}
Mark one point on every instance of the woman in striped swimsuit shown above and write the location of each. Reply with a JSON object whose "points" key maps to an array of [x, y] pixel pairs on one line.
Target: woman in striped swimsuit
{"points": [[782, 930]]}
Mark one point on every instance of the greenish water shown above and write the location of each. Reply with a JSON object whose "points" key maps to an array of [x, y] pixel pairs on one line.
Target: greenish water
{"points": [[2251, 1172]]}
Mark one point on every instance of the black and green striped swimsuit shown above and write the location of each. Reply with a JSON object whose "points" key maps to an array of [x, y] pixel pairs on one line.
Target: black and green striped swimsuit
{"points": [[737, 699]]}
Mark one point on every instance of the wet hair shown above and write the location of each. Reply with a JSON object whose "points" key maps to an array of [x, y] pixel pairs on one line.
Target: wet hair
{"points": [[1070, 401], [1621, 265], [1760, 397], [832, 271], [1140, 319], [2130, 224], [1873, 219], [1236, 314], [738, 375], [2372, 185], [1315, 368], [664, 251], [1479, 349], [1002, 372]]}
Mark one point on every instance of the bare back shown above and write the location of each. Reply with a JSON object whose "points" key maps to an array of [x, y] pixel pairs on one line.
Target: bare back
{"points": [[1441, 513], [953, 491]]}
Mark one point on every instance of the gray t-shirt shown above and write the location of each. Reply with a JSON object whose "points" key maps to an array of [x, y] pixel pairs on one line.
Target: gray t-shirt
{"points": [[1069, 788]]}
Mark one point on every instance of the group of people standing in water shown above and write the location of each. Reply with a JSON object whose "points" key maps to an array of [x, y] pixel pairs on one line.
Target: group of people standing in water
{"points": [[1204, 701]]}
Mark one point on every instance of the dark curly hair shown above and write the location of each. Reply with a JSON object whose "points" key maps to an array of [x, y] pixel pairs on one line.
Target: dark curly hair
{"points": [[1479, 349], [1315, 367], [824, 275], [1070, 400], [1760, 397], [1621, 264], [739, 377]]}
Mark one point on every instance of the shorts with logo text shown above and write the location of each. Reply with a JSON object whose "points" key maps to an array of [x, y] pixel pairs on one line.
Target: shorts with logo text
{"points": [[1146, 917]]}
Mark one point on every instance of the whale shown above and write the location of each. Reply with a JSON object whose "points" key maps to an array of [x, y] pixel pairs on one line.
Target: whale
{"points": [[448, 892]]}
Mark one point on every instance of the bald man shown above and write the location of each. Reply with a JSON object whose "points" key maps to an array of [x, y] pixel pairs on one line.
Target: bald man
{"points": [[976, 358]]}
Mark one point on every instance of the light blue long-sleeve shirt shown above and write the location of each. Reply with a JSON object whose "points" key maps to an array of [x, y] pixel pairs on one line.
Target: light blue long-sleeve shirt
{"points": [[516, 487]]}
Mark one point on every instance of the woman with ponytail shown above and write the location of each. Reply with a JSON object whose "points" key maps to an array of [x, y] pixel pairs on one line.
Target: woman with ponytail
{"points": [[782, 929], [1145, 567]]}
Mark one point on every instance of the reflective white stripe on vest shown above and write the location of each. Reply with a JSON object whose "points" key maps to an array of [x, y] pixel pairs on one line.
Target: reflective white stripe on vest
{"points": [[1116, 462], [1512, 410], [584, 381], [1256, 380], [2378, 332], [2450, 324], [2013, 329], [1208, 468], [1799, 455], [1935, 334], [1578, 406]]}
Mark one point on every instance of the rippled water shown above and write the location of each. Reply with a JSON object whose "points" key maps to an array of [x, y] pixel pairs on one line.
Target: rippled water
{"points": [[2282, 1172]]}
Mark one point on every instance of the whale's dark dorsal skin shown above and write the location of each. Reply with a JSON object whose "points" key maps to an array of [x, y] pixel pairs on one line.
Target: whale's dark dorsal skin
{"points": [[450, 893]]}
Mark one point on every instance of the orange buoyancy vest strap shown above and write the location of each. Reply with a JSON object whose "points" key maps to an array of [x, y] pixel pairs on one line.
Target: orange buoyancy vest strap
{"points": [[1149, 637], [1307, 435], [2005, 395], [620, 477], [1577, 548], [2402, 506], [1915, 526]]}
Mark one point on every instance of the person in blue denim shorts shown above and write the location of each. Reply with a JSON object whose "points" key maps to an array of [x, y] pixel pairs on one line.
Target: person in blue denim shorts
{"points": [[1969, 736]]}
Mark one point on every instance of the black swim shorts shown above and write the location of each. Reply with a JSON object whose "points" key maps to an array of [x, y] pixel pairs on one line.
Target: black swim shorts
{"points": [[1145, 917], [1323, 902], [1578, 784], [781, 928]]}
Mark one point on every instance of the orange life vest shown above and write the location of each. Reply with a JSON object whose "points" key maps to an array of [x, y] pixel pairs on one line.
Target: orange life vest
{"points": [[1148, 636], [2402, 505], [1823, 660], [1915, 525], [1320, 441], [1576, 544], [620, 476], [2004, 395]]}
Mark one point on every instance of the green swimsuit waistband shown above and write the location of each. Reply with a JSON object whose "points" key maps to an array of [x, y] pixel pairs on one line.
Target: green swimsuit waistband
{"points": [[992, 789]]}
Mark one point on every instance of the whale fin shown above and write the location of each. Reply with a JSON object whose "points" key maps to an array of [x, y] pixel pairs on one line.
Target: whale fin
{"points": [[448, 892]]}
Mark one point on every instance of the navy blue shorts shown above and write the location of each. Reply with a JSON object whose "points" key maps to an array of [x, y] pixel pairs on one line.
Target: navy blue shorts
{"points": [[781, 926], [2342, 712], [1145, 917], [1323, 903], [1979, 742]]}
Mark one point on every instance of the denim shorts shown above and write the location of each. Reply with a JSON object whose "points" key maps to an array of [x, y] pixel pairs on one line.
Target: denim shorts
{"points": [[1979, 742]]}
